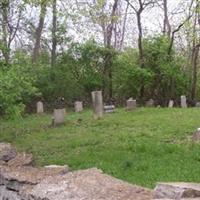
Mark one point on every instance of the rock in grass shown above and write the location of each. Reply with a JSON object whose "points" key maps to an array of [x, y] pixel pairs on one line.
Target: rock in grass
{"points": [[177, 190], [7, 152]]}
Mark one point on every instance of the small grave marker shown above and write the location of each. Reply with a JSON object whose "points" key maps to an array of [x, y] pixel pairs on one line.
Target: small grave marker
{"points": [[40, 107], [131, 104], [109, 109], [78, 106]]}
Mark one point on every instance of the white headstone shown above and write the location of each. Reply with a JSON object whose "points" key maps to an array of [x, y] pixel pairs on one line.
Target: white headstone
{"points": [[40, 107], [58, 116], [97, 101], [131, 104], [78, 106], [171, 104], [183, 101]]}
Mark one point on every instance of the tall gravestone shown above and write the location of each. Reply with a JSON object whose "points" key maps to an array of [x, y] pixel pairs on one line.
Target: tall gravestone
{"points": [[183, 101], [78, 106], [40, 107], [131, 104], [97, 102], [171, 104]]}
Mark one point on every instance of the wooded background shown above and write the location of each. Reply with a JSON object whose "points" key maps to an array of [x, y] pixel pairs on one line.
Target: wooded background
{"points": [[126, 48]]}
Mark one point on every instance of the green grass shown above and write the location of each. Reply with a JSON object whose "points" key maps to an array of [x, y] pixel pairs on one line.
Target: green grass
{"points": [[141, 147]]}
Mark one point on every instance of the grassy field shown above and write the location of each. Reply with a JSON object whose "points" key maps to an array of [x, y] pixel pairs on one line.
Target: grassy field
{"points": [[141, 147]]}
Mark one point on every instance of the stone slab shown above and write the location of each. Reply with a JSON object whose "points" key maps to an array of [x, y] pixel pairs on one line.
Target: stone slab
{"points": [[89, 184], [177, 190]]}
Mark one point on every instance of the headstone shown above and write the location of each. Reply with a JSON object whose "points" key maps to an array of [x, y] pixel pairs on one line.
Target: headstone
{"points": [[131, 104], [58, 116], [40, 107], [198, 104], [150, 103], [171, 104], [183, 102], [97, 101], [109, 108], [78, 106]]}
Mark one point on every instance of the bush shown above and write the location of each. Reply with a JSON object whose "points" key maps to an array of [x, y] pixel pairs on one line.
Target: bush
{"points": [[16, 89]]}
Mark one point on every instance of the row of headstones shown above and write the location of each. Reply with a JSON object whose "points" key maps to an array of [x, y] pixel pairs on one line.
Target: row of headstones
{"points": [[99, 108]]}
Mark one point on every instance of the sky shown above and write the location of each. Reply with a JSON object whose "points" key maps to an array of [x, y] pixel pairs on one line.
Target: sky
{"points": [[79, 30]]}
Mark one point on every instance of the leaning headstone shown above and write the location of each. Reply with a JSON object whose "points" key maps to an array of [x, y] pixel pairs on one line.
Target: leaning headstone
{"points": [[183, 102], [150, 103], [171, 104], [40, 107], [109, 108], [97, 101], [58, 116], [78, 106], [131, 104]]}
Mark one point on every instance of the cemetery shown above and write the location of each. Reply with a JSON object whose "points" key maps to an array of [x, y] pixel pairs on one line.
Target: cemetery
{"points": [[100, 100], [155, 150]]}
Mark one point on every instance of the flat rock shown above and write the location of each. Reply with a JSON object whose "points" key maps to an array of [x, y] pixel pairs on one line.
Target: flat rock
{"points": [[22, 159], [89, 184], [7, 152], [177, 190], [27, 174]]}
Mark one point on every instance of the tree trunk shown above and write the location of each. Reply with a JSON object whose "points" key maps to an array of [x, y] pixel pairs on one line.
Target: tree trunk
{"points": [[6, 48], [38, 33], [107, 85], [140, 48], [194, 71], [54, 38], [166, 25]]}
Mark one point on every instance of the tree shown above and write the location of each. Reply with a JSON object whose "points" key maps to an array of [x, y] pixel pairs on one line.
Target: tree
{"points": [[195, 49], [139, 8], [11, 14], [54, 30], [38, 32]]}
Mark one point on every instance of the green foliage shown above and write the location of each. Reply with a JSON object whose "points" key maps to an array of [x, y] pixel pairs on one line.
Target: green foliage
{"points": [[127, 75], [162, 75], [76, 74], [16, 88], [169, 78]]}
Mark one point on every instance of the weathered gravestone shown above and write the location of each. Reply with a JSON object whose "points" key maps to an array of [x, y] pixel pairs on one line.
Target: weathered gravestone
{"points": [[40, 107], [183, 101], [109, 108], [58, 116], [150, 103], [131, 104], [78, 106], [97, 102], [198, 105], [59, 112], [171, 104]]}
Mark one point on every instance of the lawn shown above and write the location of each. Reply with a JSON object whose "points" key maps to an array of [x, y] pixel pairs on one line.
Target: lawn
{"points": [[141, 147]]}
